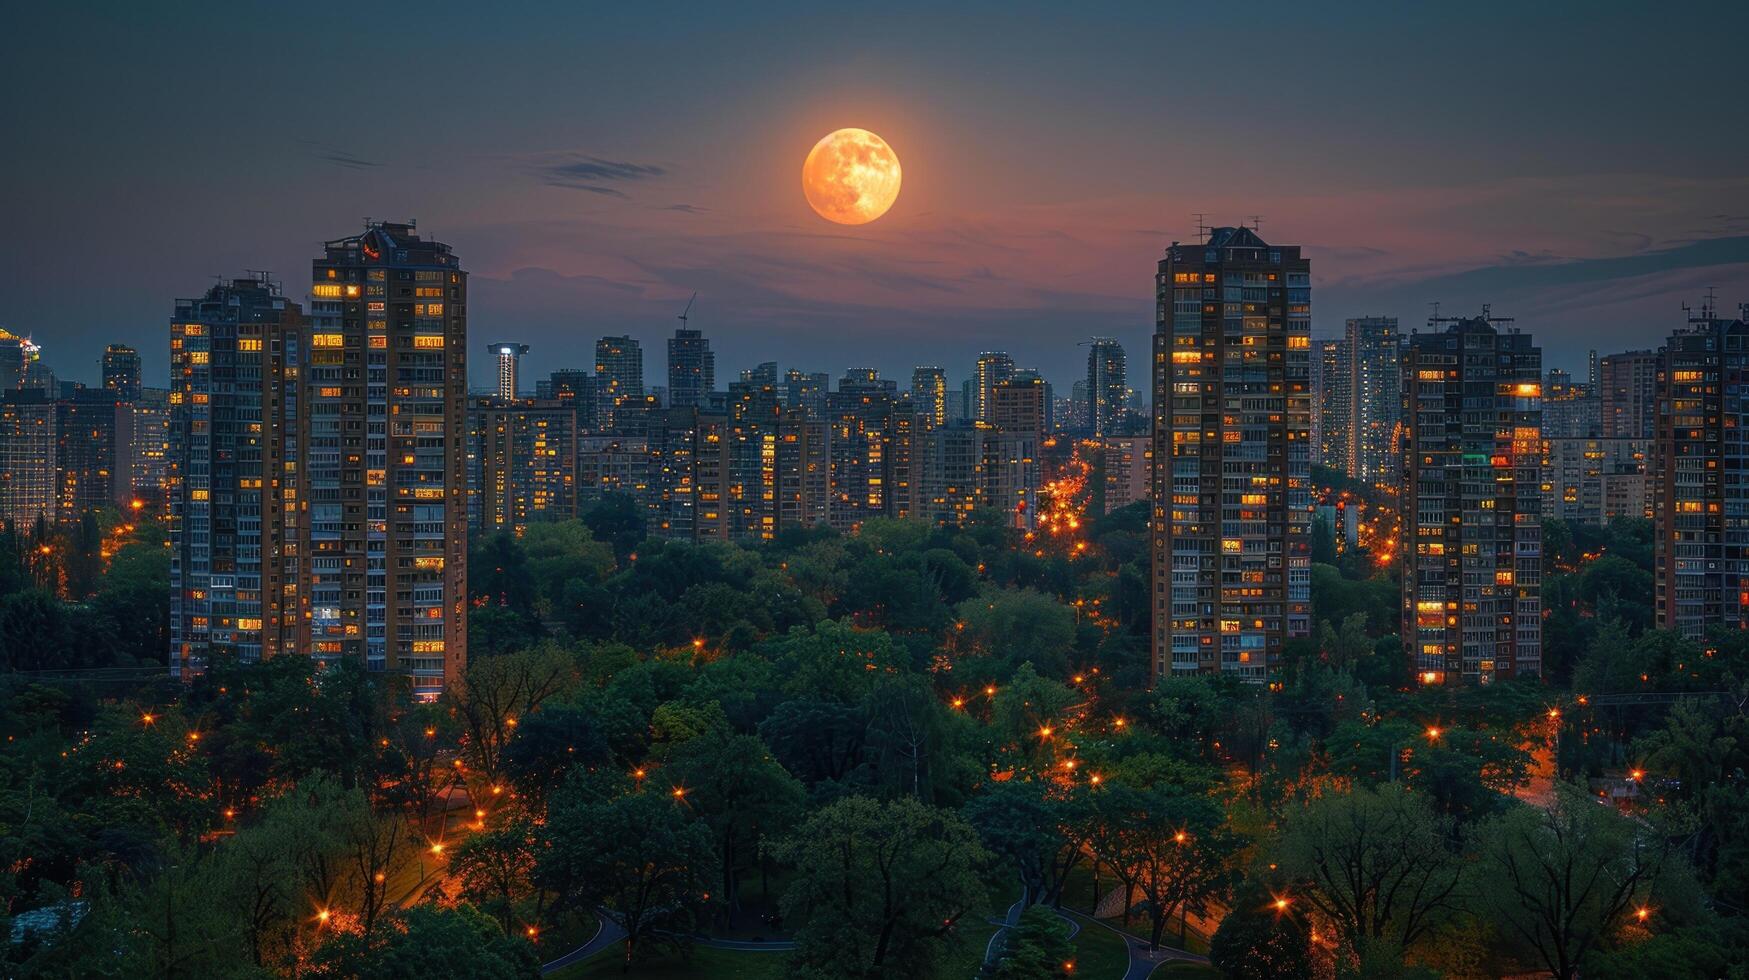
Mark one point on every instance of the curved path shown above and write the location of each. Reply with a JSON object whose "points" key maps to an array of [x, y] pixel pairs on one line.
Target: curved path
{"points": [[606, 934]]}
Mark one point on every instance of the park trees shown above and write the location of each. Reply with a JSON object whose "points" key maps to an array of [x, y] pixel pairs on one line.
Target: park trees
{"points": [[879, 885], [1378, 863], [641, 854], [1563, 879]]}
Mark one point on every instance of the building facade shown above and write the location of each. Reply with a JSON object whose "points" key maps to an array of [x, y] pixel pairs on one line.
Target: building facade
{"points": [[121, 371], [619, 378], [1373, 388], [385, 468], [1471, 502], [1107, 386], [1232, 455], [234, 485], [522, 463], [29, 444], [1700, 478], [1628, 384], [692, 369], [507, 358]]}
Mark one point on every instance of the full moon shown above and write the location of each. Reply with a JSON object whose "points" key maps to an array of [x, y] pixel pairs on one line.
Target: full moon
{"points": [[851, 177]]}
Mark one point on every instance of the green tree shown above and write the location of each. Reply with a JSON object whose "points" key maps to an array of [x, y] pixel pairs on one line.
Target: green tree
{"points": [[494, 868], [1020, 627], [641, 855], [1037, 948], [1168, 845], [1036, 827], [879, 886], [741, 793], [1259, 940], [1375, 862], [428, 941], [1564, 879]]}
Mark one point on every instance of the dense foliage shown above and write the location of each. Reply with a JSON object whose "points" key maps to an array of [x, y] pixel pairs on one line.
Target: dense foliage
{"points": [[870, 745]]}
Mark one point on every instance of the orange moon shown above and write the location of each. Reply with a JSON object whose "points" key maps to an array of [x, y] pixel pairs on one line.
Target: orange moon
{"points": [[851, 176]]}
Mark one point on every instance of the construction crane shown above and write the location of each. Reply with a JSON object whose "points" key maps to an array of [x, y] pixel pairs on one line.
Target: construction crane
{"points": [[687, 312]]}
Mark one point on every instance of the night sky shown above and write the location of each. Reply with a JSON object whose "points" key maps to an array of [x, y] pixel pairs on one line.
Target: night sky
{"points": [[1580, 166]]}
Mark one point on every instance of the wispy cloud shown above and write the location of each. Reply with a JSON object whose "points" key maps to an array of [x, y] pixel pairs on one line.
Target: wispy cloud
{"points": [[685, 209], [593, 174], [340, 157]]}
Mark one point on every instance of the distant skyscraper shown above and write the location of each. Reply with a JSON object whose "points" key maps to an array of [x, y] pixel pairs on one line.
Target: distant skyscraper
{"points": [[235, 487], [29, 443], [1374, 388], [1471, 502], [805, 390], [929, 392], [1107, 385], [576, 386], [121, 371], [151, 444], [1232, 460], [619, 377], [1700, 478], [763, 374], [1570, 411], [509, 358], [96, 453], [386, 468], [1333, 404], [692, 369], [1629, 383], [859, 414], [522, 462], [994, 367]]}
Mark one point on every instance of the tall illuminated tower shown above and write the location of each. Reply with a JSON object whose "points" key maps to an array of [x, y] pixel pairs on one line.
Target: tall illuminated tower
{"points": [[385, 479], [509, 358], [1374, 390], [1232, 463], [929, 394], [1472, 501], [1107, 385], [994, 367]]}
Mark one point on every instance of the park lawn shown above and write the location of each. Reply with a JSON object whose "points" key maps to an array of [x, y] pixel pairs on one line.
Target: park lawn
{"points": [[726, 964], [1100, 954]]}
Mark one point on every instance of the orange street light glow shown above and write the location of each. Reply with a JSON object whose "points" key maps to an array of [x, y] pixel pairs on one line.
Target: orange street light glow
{"points": [[1643, 913], [322, 916], [1432, 732], [436, 848], [1044, 731], [1280, 904]]}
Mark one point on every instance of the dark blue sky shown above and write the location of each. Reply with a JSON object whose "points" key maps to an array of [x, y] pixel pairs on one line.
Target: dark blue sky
{"points": [[1580, 166]]}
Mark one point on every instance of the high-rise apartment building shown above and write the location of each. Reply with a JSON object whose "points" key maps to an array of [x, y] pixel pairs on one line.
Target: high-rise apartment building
{"points": [[234, 488], [21, 364], [994, 367], [95, 457], [1232, 455], [1700, 478], [1629, 393], [29, 443], [385, 470], [1570, 411], [522, 462], [619, 378], [576, 386], [859, 416], [1333, 405], [929, 395], [692, 369], [121, 371], [1471, 502], [151, 444], [508, 361], [1374, 389], [1107, 385]]}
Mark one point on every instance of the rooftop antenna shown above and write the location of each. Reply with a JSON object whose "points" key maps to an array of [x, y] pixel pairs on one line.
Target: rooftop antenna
{"points": [[1257, 223], [687, 312], [1201, 227], [367, 223], [1712, 296]]}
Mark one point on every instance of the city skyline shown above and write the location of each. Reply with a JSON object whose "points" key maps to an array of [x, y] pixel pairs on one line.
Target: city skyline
{"points": [[581, 224]]}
